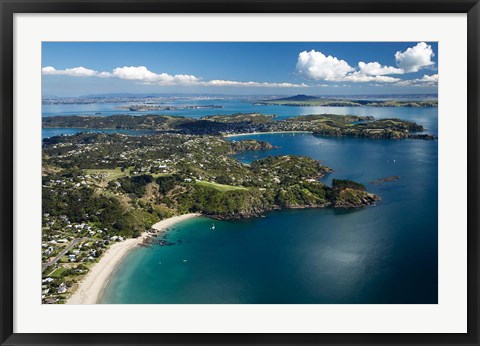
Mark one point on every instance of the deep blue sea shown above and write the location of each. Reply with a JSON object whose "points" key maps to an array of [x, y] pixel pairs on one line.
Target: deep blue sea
{"points": [[381, 254]]}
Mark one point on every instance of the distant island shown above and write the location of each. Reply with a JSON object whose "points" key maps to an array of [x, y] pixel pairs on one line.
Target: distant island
{"points": [[156, 107], [305, 101], [240, 123]]}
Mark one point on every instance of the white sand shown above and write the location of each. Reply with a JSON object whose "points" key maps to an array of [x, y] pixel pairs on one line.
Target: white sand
{"points": [[94, 282]]}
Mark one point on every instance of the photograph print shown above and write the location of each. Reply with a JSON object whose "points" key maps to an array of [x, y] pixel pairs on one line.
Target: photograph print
{"points": [[239, 173]]}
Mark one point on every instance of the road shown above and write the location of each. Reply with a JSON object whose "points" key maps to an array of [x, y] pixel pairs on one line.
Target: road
{"points": [[55, 260]]}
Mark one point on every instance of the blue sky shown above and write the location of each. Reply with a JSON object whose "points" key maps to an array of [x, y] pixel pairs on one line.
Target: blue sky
{"points": [[242, 68]]}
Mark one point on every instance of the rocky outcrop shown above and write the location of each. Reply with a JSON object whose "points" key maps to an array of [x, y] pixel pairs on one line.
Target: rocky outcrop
{"points": [[350, 198]]}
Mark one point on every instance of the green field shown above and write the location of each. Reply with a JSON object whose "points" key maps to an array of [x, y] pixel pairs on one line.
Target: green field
{"points": [[58, 272], [221, 187], [111, 174]]}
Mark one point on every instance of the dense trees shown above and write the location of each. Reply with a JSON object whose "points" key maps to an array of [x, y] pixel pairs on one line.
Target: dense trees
{"points": [[135, 185], [167, 183], [343, 184], [210, 201]]}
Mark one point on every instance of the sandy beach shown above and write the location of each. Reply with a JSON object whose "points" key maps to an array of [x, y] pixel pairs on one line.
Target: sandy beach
{"points": [[91, 286]]}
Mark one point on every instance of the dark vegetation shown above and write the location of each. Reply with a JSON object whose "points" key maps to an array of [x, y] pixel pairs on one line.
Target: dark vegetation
{"points": [[199, 176], [322, 124]]}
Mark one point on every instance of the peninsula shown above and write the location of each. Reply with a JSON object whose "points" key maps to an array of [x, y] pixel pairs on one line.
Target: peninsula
{"points": [[102, 189], [321, 124]]}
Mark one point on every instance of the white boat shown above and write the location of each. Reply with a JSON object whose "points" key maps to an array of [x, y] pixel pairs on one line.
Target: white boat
{"points": [[213, 226]]}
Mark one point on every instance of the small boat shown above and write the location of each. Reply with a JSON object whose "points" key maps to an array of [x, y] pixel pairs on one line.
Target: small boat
{"points": [[213, 226]]}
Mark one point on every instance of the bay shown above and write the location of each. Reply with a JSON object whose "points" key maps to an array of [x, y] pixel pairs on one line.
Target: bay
{"points": [[381, 254]]}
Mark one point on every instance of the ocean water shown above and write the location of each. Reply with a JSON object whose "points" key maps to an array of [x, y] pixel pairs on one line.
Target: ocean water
{"points": [[381, 254]]}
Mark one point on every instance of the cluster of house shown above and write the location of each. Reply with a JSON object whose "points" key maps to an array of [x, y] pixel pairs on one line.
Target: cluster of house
{"points": [[76, 182], [49, 291]]}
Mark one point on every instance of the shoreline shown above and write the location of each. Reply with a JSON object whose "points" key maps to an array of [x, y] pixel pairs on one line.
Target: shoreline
{"points": [[262, 133], [92, 285]]}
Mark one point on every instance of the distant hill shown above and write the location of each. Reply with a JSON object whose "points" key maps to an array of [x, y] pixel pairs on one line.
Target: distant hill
{"points": [[298, 98], [306, 101]]}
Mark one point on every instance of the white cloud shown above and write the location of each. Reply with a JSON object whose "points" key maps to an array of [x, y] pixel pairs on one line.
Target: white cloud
{"points": [[138, 73], [185, 79], [315, 65], [415, 58], [376, 69], [104, 74], [143, 75], [75, 71], [217, 82], [431, 79], [358, 77], [425, 81], [49, 70]]}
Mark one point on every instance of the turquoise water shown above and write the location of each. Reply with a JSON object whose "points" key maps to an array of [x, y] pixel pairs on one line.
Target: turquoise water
{"points": [[381, 254]]}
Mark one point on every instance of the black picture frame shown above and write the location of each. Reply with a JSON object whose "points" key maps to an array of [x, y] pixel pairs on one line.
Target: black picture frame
{"points": [[9, 7]]}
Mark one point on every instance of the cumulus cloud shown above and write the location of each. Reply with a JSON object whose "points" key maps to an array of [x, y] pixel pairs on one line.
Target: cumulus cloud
{"points": [[139, 73], [358, 77], [217, 82], [315, 65], [75, 71], [430, 79], [376, 69], [415, 58], [143, 75], [425, 81]]}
